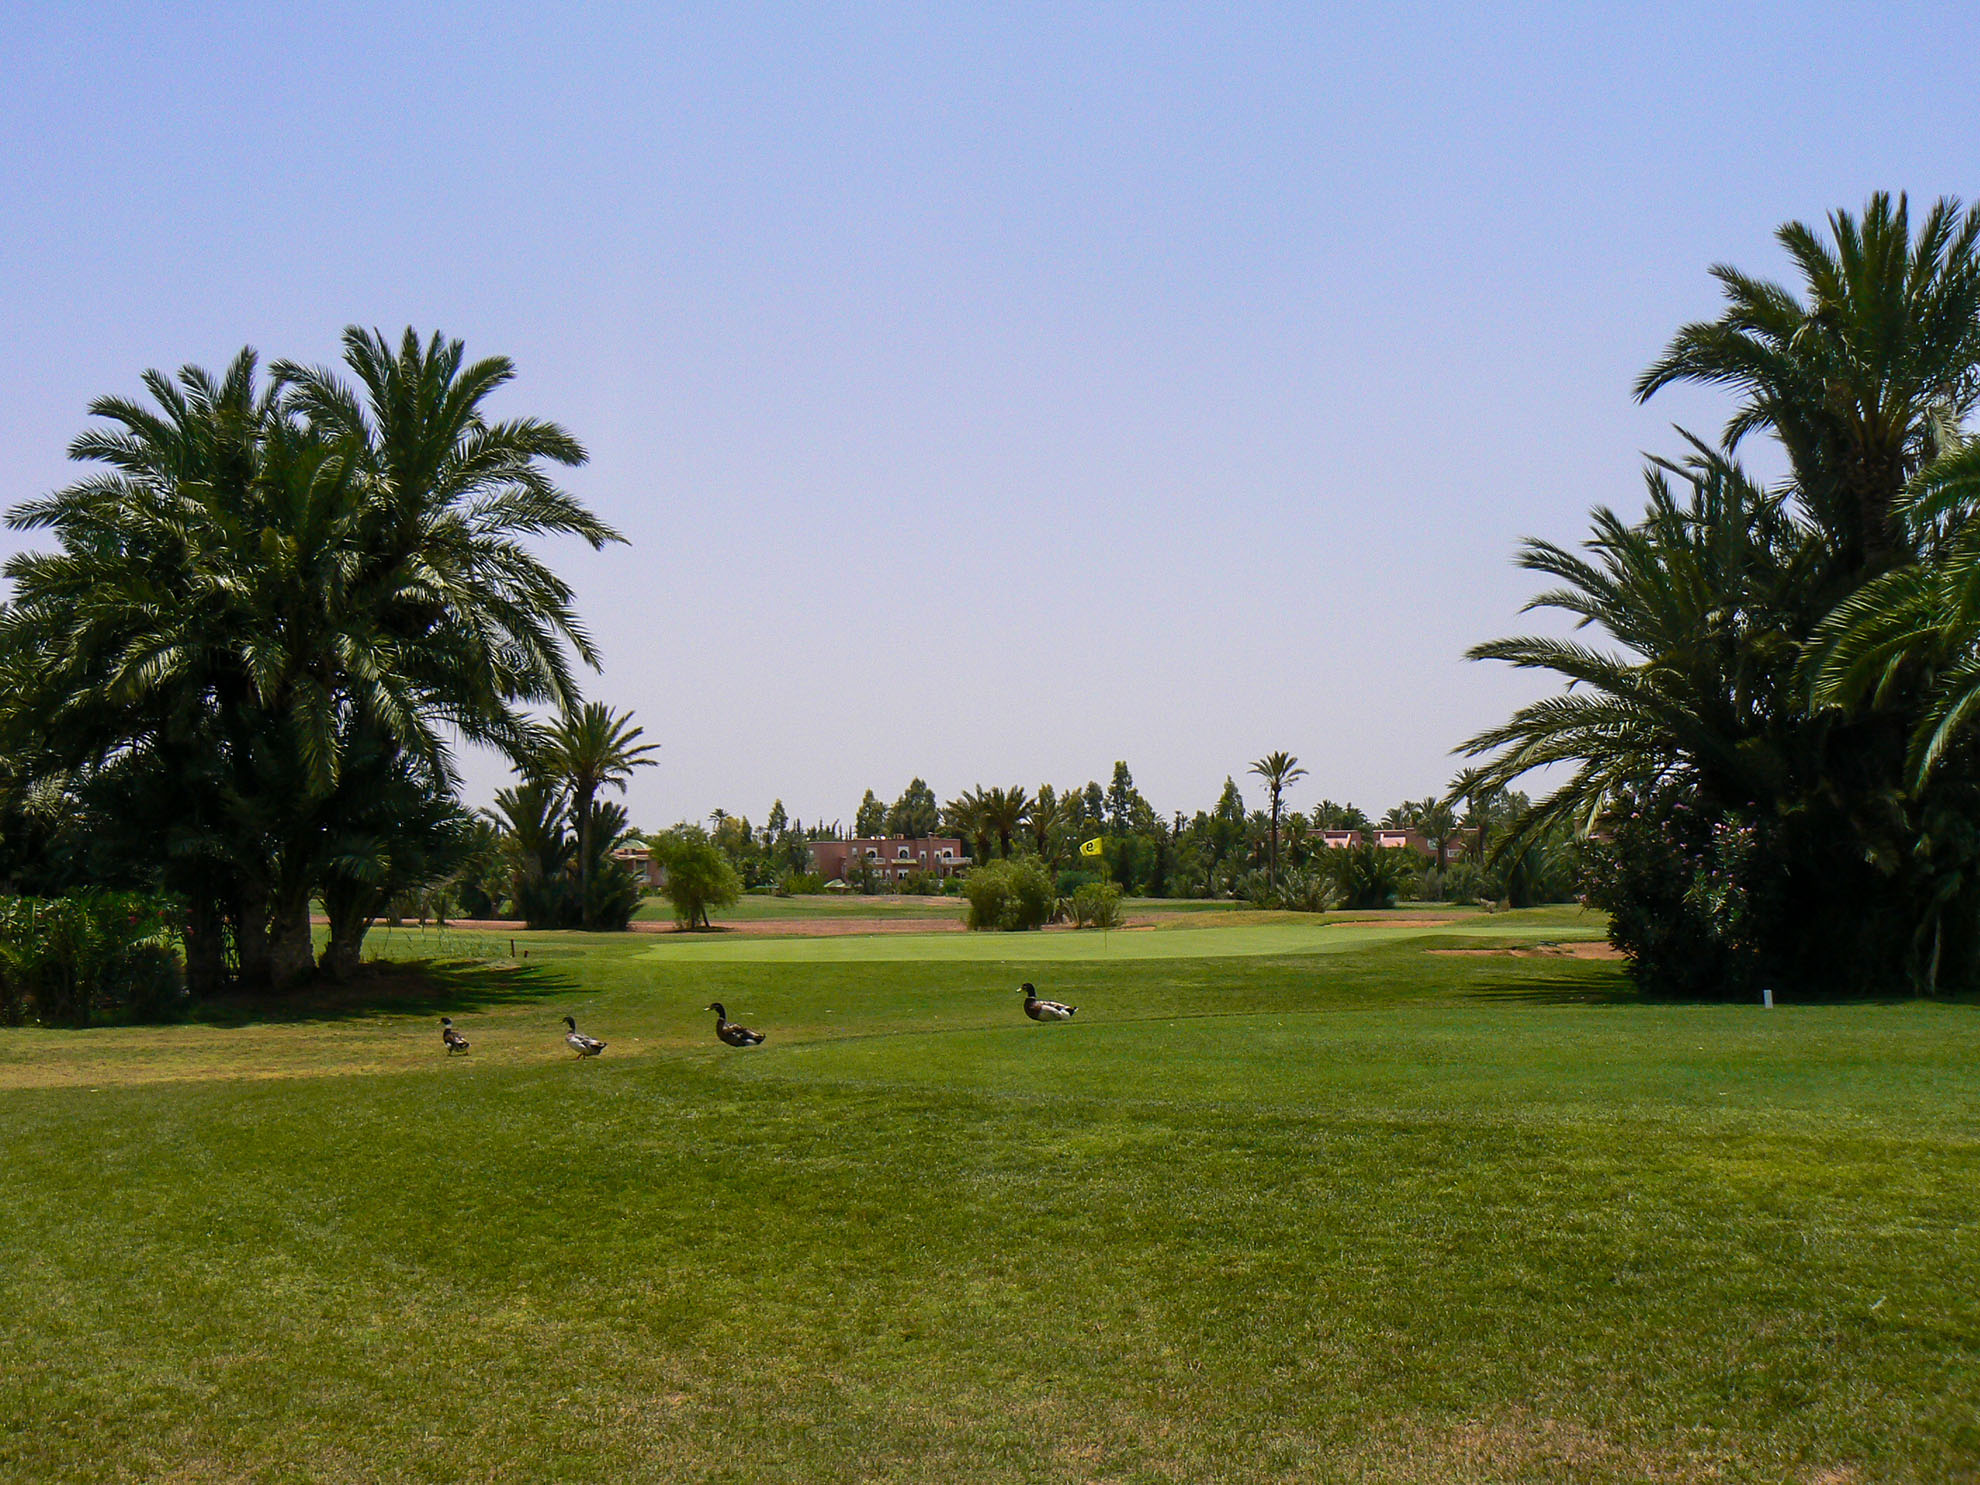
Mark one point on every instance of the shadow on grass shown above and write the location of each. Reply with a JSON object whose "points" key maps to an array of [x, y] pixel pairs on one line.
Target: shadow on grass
{"points": [[1535, 986], [1614, 987], [401, 987]]}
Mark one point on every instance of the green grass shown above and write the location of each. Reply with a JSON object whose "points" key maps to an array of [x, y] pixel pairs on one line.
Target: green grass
{"points": [[1361, 1214], [757, 908]]}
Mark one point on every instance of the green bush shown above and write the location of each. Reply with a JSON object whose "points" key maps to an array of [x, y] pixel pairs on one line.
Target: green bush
{"points": [[799, 883], [1462, 881], [1009, 895], [70, 960], [1306, 890], [1097, 905], [1371, 876], [1072, 878]]}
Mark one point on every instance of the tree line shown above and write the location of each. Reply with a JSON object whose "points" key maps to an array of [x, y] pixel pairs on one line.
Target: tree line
{"points": [[1274, 854]]}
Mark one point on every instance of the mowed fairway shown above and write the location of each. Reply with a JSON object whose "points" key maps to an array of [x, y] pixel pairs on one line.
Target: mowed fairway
{"points": [[1299, 1204]]}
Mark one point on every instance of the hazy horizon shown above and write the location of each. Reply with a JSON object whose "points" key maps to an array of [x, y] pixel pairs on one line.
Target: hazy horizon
{"points": [[987, 396]]}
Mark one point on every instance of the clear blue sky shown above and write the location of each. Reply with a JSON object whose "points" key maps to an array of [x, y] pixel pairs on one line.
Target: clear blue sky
{"points": [[989, 392]]}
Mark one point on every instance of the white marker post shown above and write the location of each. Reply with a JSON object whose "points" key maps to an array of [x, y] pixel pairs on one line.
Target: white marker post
{"points": [[1767, 999]]}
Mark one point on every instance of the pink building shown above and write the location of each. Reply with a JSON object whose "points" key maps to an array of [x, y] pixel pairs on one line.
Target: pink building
{"points": [[638, 860], [891, 859]]}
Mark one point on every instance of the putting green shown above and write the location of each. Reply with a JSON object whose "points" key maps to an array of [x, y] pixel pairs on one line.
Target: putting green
{"points": [[1057, 948]]}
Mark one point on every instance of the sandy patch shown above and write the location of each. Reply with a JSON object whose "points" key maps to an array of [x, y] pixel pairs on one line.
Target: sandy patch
{"points": [[1587, 949], [1518, 1446]]}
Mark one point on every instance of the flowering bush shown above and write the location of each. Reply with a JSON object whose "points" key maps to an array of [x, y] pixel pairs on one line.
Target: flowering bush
{"points": [[69, 960]]}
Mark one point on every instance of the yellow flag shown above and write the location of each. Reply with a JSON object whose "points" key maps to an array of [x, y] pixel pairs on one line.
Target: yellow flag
{"points": [[1094, 847]]}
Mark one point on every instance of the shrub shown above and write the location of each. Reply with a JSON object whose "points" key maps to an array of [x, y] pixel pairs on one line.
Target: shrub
{"points": [[1254, 888], [1097, 905], [1371, 876], [68, 959], [1009, 895], [1306, 890], [1684, 892], [1072, 878], [1463, 881], [799, 883]]}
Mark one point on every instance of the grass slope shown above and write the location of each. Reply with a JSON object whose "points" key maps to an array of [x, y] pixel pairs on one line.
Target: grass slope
{"points": [[1373, 1214]]}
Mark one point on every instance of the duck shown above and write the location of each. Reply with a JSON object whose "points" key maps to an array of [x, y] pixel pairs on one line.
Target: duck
{"points": [[1046, 1010], [727, 1030], [454, 1040], [578, 1042]]}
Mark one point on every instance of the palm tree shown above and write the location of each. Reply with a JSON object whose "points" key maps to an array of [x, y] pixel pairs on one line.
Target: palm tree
{"points": [[1004, 812], [967, 815], [1438, 822], [1860, 374], [1919, 625], [1692, 595], [535, 846], [1771, 736], [592, 748], [1279, 771], [1047, 821], [268, 583]]}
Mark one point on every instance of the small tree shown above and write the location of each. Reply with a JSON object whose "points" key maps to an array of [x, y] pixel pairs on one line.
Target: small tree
{"points": [[699, 876]]}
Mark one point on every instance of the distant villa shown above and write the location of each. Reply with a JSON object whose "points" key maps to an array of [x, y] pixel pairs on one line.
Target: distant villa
{"points": [[891, 857], [1462, 843]]}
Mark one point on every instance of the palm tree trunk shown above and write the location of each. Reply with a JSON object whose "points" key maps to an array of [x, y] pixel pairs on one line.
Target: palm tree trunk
{"points": [[351, 910], [291, 958], [251, 942], [206, 949], [581, 801]]}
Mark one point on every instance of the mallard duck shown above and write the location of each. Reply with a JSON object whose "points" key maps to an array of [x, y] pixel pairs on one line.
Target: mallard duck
{"points": [[454, 1040], [578, 1042], [1046, 1010], [728, 1031]]}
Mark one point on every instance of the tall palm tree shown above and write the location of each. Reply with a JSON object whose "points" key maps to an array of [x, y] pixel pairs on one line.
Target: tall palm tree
{"points": [[592, 748], [1004, 814], [1859, 373], [1279, 771]]}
